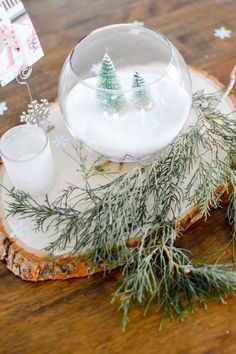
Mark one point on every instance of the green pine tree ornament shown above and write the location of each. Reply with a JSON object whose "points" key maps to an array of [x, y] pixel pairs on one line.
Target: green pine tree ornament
{"points": [[141, 97], [110, 102]]}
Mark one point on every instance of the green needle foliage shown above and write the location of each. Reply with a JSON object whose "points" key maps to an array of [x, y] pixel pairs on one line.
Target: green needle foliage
{"points": [[141, 94], [112, 101], [146, 203]]}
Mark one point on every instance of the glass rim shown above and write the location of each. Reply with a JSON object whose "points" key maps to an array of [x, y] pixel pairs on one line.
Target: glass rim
{"points": [[131, 25], [26, 126]]}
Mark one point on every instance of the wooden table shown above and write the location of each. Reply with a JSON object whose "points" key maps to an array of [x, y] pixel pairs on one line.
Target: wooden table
{"points": [[76, 316]]}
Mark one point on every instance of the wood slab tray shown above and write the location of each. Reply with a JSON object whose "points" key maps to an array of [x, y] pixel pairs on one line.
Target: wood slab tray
{"points": [[22, 249]]}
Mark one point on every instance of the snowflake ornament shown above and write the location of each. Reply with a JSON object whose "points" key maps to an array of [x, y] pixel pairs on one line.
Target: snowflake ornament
{"points": [[222, 33], [95, 68], [18, 230], [136, 31], [60, 141], [3, 108], [138, 23], [37, 113]]}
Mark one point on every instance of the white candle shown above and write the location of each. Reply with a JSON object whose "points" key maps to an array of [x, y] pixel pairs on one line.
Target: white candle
{"points": [[132, 132], [27, 156]]}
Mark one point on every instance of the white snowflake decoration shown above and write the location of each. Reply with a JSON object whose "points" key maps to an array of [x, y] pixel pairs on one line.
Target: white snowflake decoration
{"points": [[60, 141], [95, 68], [136, 31], [138, 23], [222, 33], [18, 230], [3, 108]]}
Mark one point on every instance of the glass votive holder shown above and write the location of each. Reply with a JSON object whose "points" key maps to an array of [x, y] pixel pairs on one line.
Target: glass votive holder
{"points": [[27, 156]]}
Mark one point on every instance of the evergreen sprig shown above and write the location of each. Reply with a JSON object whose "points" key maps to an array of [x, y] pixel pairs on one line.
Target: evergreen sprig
{"points": [[145, 204]]}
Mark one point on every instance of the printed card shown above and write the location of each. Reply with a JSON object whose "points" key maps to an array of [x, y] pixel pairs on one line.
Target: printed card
{"points": [[19, 43]]}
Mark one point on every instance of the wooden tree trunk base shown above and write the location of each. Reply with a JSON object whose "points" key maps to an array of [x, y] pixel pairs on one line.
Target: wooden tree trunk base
{"points": [[33, 264], [33, 267]]}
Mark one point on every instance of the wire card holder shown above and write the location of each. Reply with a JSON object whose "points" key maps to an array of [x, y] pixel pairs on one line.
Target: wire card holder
{"points": [[37, 110]]}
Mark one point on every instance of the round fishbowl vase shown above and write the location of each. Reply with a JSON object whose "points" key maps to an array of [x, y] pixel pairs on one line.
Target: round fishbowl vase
{"points": [[125, 92]]}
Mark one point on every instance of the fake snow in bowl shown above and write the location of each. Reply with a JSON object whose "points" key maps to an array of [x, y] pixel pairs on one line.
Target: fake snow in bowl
{"points": [[130, 110]]}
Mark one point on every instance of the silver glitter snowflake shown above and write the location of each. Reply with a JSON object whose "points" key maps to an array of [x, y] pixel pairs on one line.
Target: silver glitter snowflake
{"points": [[37, 113]]}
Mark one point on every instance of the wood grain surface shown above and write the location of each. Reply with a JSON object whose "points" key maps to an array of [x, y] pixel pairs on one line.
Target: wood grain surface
{"points": [[76, 316]]}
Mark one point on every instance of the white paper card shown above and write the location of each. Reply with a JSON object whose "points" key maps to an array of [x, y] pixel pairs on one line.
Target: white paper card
{"points": [[19, 43]]}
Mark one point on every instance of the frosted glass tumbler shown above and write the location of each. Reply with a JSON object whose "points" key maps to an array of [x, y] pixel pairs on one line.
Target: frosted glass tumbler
{"points": [[27, 156]]}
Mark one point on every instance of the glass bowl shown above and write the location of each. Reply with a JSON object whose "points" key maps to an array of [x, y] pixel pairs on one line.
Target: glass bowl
{"points": [[125, 92]]}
